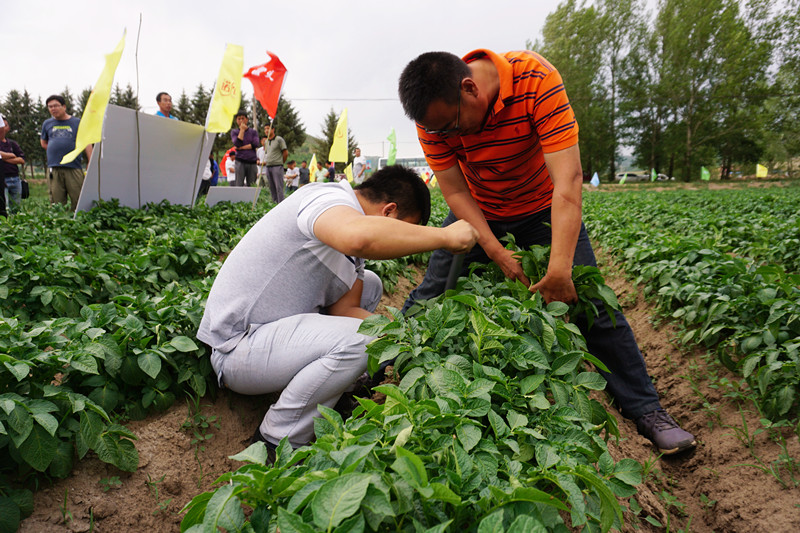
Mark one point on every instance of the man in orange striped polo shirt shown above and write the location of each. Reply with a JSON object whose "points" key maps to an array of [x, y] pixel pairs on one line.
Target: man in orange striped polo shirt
{"points": [[502, 139]]}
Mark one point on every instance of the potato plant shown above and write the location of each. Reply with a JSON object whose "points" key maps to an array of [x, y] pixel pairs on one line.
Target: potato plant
{"points": [[97, 322], [491, 428], [725, 265]]}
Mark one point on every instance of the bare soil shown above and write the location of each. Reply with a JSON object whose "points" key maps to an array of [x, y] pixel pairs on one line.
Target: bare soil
{"points": [[709, 489]]}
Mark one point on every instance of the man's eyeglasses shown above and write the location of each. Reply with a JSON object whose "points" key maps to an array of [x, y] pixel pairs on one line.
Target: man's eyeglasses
{"points": [[454, 129]]}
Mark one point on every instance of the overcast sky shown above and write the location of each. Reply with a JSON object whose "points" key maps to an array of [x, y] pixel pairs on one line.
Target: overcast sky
{"points": [[338, 53]]}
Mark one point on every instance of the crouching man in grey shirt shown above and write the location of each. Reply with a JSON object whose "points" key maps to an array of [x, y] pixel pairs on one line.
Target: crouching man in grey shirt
{"points": [[284, 311]]}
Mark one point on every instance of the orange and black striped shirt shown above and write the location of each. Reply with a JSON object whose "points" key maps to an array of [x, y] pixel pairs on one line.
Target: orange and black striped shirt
{"points": [[504, 163]]}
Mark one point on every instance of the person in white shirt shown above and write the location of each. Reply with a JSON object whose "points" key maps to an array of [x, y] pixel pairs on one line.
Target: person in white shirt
{"points": [[261, 157], [230, 168], [284, 310], [292, 176], [359, 167]]}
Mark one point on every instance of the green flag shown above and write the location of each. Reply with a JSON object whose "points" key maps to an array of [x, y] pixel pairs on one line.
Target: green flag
{"points": [[392, 138], [705, 175], [622, 181], [653, 174]]}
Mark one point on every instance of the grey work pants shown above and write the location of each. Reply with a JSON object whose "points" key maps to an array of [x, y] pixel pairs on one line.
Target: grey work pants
{"points": [[311, 358], [275, 181], [246, 173]]}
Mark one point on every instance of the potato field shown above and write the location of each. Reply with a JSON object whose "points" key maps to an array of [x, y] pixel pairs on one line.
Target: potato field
{"points": [[494, 418]]}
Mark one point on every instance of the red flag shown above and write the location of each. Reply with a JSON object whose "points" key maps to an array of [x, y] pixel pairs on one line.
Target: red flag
{"points": [[267, 80]]}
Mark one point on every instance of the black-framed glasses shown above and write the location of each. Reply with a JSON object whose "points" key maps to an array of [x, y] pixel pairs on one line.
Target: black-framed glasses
{"points": [[454, 129]]}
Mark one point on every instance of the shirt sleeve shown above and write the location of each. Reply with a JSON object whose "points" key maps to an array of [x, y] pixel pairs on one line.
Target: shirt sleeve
{"points": [[313, 206], [17, 150], [552, 114], [252, 137]]}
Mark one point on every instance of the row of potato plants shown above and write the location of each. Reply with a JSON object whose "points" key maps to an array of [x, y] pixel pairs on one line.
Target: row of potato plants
{"points": [[491, 427], [726, 265], [97, 321], [98, 315]]}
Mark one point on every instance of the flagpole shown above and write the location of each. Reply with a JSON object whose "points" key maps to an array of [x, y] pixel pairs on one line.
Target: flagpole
{"points": [[138, 132], [255, 113], [197, 167]]}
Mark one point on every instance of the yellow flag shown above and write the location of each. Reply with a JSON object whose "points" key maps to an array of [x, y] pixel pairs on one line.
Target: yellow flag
{"points": [[348, 171], [339, 146], [90, 129], [313, 168], [761, 172], [227, 91]]}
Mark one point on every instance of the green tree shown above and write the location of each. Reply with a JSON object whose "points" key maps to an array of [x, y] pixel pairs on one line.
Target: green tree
{"points": [[572, 40], [25, 117], [643, 109], [183, 108], [619, 18], [83, 99], [711, 63], [783, 108], [125, 98], [287, 124], [741, 117], [323, 145], [69, 101], [201, 99]]}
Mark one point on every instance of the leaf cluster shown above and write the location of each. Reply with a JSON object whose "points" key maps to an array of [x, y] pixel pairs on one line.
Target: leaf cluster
{"points": [[491, 428], [97, 321], [725, 265]]}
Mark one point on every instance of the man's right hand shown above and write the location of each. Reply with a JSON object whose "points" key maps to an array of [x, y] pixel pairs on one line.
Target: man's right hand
{"points": [[509, 264], [461, 237]]}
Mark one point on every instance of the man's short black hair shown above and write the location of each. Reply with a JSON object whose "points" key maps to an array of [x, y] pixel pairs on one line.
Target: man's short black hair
{"points": [[57, 97], [159, 95], [240, 114], [431, 76], [402, 186]]}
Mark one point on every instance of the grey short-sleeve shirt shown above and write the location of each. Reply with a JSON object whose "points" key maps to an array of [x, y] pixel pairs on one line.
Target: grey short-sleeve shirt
{"points": [[280, 268]]}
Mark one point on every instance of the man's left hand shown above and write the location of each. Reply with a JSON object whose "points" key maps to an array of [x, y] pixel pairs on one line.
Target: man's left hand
{"points": [[556, 289]]}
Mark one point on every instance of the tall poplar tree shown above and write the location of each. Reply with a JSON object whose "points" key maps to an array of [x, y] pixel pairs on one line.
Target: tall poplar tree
{"points": [[782, 109], [710, 65], [572, 41], [618, 19]]}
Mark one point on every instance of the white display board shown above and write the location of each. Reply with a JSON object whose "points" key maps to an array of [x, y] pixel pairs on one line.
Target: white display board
{"points": [[232, 194], [145, 159]]}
